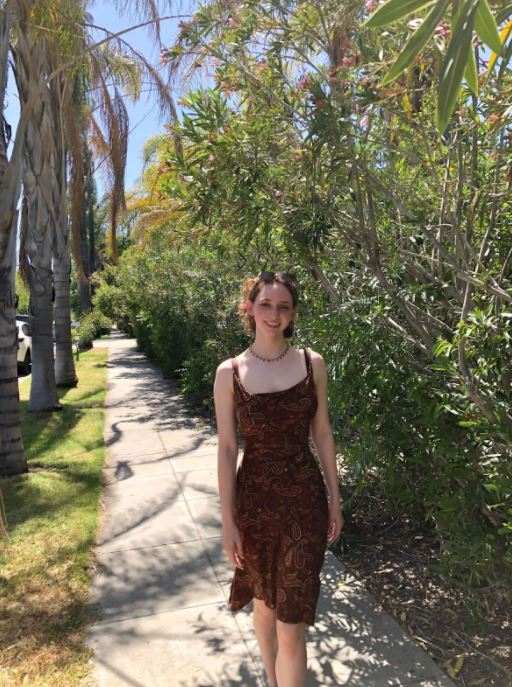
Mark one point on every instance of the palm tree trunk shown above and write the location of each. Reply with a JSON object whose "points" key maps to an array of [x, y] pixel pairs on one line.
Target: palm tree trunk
{"points": [[90, 229], [40, 235], [43, 391], [87, 243], [65, 375], [41, 188], [12, 454], [85, 277]]}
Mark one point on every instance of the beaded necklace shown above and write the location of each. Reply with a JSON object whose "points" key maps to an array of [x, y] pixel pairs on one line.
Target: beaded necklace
{"points": [[269, 360]]}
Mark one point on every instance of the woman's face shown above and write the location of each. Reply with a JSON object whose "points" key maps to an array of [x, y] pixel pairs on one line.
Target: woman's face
{"points": [[273, 308]]}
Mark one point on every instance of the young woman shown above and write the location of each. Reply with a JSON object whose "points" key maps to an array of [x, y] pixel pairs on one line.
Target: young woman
{"points": [[276, 514]]}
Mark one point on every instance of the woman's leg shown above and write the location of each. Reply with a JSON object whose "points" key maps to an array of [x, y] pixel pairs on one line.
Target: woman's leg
{"points": [[291, 662], [264, 619]]}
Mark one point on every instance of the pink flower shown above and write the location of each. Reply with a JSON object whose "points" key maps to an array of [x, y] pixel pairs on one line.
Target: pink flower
{"points": [[443, 30], [303, 82]]}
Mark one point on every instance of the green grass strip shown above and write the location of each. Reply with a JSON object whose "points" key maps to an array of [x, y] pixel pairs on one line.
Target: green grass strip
{"points": [[52, 516]]}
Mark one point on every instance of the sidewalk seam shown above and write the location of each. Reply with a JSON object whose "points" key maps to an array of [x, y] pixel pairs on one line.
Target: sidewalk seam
{"points": [[151, 615]]}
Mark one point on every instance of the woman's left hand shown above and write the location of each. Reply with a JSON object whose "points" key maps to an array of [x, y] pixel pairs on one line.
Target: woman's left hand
{"points": [[336, 521]]}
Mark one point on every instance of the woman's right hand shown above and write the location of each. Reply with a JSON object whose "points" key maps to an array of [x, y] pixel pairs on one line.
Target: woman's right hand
{"points": [[233, 544]]}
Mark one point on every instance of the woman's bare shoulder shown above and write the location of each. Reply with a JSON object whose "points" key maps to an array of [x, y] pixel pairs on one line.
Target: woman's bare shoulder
{"points": [[318, 365], [225, 369], [316, 358], [224, 377]]}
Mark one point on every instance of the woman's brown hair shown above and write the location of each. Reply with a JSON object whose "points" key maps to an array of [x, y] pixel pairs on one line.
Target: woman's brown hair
{"points": [[253, 285]]}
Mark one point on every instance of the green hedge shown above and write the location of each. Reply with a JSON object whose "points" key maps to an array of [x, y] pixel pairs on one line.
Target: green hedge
{"points": [[393, 421]]}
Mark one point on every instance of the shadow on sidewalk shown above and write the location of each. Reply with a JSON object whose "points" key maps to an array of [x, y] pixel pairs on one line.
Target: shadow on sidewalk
{"points": [[152, 399]]}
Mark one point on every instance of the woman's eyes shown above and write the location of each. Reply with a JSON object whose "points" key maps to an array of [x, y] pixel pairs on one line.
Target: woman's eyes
{"points": [[281, 307]]}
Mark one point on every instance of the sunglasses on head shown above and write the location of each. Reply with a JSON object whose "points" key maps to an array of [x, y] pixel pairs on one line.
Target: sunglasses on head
{"points": [[268, 275]]}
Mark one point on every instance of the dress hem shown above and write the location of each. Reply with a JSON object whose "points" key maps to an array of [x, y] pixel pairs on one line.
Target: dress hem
{"points": [[241, 605]]}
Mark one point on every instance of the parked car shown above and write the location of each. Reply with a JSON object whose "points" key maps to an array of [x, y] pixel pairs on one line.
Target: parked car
{"points": [[74, 325], [24, 347], [23, 318]]}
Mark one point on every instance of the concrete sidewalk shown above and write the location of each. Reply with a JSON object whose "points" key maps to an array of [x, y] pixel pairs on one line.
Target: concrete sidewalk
{"points": [[162, 581]]}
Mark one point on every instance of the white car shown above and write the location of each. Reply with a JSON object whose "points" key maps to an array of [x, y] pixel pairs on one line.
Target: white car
{"points": [[24, 346]]}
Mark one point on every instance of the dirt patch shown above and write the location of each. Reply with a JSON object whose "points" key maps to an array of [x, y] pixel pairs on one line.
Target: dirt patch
{"points": [[391, 558]]}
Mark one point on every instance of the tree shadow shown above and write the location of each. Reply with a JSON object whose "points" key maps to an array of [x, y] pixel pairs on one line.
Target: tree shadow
{"points": [[153, 398], [26, 499]]}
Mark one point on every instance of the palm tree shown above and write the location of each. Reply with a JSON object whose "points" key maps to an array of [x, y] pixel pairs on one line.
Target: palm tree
{"points": [[35, 154], [41, 190], [64, 110], [12, 455], [87, 238]]}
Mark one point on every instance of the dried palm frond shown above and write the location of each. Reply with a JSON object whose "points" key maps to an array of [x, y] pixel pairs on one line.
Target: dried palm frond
{"points": [[97, 140], [150, 74]]}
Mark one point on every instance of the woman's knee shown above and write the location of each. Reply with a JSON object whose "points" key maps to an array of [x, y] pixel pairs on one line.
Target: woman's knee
{"points": [[291, 636], [263, 613]]}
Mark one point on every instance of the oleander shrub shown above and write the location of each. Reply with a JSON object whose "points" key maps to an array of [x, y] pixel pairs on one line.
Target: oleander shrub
{"points": [[181, 307], [408, 426], [92, 325], [412, 430]]}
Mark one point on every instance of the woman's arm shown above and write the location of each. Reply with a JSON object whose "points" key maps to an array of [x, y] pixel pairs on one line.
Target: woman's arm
{"points": [[323, 439], [227, 454]]}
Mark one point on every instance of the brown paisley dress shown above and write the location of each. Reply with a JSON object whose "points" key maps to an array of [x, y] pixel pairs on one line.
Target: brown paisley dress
{"points": [[280, 504]]}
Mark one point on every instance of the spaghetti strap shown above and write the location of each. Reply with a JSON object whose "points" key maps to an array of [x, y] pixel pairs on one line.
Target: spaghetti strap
{"points": [[308, 361], [234, 365]]}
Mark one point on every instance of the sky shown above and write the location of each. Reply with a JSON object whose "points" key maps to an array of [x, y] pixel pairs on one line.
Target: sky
{"points": [[144, 115]]}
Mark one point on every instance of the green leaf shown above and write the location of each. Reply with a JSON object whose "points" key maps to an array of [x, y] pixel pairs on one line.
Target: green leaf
{"points": [[416, 42], [393, 10], [454, 63], [471, 73], [456, 12], [485, 26]]}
